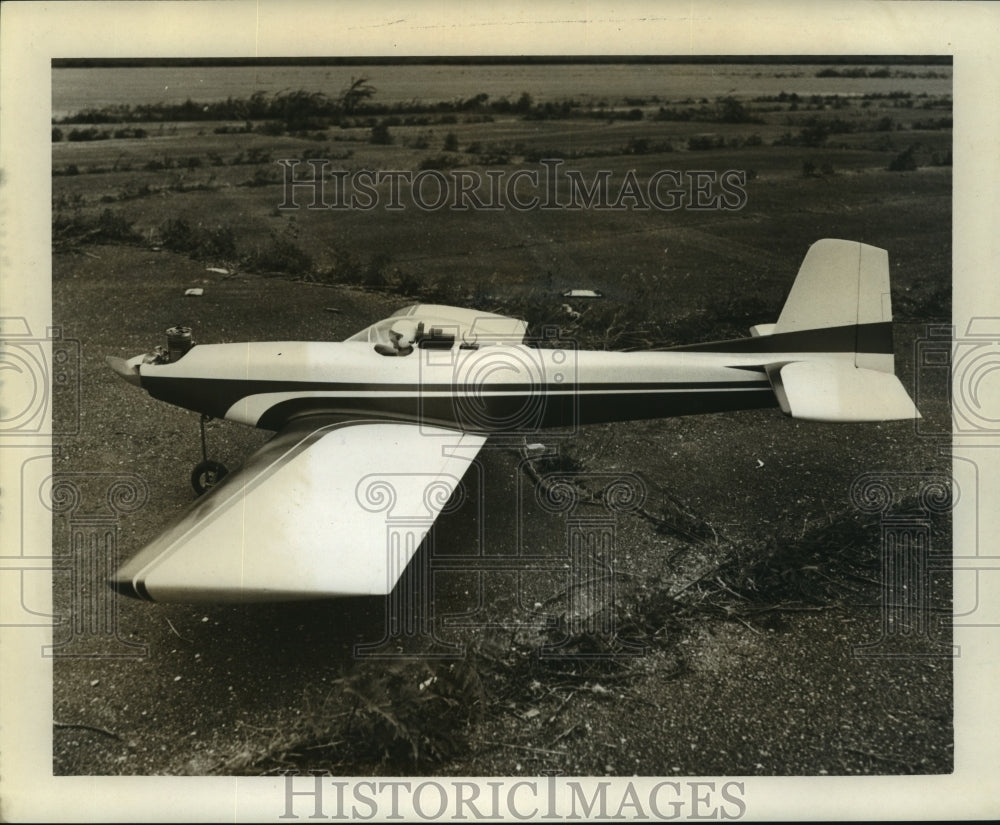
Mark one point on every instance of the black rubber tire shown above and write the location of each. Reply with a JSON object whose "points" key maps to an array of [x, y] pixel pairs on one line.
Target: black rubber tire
{"points": [[206, 475]]}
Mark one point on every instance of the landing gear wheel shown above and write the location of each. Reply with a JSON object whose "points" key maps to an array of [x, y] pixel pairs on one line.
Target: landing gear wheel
{"points": [[206, 475]]}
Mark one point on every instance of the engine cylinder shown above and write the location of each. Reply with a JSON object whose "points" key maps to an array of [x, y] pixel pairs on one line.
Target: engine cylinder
{"points": [[179, 341]]}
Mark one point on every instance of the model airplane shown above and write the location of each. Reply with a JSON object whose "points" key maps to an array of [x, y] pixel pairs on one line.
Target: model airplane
{"points": [[388, 421]]}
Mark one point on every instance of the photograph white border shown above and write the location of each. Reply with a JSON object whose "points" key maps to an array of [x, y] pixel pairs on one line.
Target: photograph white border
{"points": [[32, 34]]}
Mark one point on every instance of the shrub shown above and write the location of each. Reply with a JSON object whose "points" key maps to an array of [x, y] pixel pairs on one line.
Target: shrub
{"points": [[904, 161], [179, 236], [87, 134], [219, 242], [441, 161], [344, 267], [411, 712], [380, 134], [939, 123], [262, 176], [257, 155], [271, 128], [402, 713], [112, 225], [732, 111], [701, 143], [814, 134], [375, 275], [281, 255], [129, 133], [408, 284], [494, 156]]}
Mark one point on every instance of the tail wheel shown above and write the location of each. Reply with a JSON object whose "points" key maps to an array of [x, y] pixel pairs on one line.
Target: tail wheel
{"points": [[206, 475]]}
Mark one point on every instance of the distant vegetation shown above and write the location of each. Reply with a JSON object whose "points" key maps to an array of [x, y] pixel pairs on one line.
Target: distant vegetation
{"points": [[882, 71], [822, 138], [97, 134], [302, 111], [310, 114]]}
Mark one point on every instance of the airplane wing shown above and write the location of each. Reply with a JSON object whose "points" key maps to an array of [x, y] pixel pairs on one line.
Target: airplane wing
{"points": [[325, 508]]}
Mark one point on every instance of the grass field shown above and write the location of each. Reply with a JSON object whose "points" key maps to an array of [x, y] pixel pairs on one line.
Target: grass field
{"points": [[748, 577], [224, 190]]}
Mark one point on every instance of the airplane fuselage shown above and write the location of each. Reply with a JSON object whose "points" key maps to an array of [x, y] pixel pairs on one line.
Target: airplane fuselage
{"points": [[497, 388]]}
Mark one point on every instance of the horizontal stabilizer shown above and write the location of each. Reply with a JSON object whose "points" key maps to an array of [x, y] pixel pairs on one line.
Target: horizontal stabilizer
{"points": [[839, 391]]}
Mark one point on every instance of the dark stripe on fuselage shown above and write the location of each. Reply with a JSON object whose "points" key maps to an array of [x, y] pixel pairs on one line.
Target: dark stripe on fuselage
{"points": [[527, 412], [215, 396], [872, 338]]}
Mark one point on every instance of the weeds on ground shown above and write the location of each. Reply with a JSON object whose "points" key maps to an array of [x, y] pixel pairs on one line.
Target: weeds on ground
{"points": [[72, 228], [398, 714], [217, 242], [834, 563], [279, 255]]}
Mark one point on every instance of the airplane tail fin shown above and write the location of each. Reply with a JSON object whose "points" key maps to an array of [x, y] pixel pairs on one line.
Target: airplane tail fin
{"points": [[840, 304], [843, 287]]}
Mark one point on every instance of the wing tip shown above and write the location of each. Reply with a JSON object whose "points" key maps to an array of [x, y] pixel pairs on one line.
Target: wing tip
{"points": [[125, 586]]}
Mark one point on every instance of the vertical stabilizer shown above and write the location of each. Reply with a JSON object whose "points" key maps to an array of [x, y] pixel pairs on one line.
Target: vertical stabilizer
{"points": [[844, 284]]}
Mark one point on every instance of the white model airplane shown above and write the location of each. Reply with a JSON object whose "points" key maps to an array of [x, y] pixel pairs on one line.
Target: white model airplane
{"points": [[387, 422]]}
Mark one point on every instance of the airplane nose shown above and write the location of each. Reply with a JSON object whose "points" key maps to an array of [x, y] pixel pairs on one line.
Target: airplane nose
{"points": [[125, 370]]}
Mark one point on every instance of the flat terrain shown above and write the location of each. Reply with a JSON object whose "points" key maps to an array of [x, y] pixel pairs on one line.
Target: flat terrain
{"points": [[745, 581]]}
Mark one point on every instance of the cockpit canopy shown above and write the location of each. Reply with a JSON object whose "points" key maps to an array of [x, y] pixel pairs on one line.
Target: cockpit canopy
{"points": [[439, 326]]}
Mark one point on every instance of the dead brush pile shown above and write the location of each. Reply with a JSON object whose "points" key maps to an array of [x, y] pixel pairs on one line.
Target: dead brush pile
{"points": [[398, 715]]}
